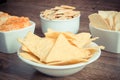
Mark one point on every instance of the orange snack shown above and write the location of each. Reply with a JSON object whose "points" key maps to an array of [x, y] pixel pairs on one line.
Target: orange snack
{"points": [[15, 23], [3, 17]]}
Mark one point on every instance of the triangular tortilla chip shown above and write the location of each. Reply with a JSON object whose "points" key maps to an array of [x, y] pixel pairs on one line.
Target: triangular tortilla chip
{"points": [[51, 34], [69, 35], [54, 34], [29, 56], [97, 21], [82, 39], [84, 56], [69, 62], [31, 37], [25, 48], [63, 51], [39, 47]]}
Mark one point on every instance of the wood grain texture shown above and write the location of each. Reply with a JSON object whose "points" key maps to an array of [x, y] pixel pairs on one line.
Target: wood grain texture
{"points": [[107, 67]]}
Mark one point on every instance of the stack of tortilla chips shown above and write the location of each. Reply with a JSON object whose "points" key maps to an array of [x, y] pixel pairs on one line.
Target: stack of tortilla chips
{"points": [[58, 48]]}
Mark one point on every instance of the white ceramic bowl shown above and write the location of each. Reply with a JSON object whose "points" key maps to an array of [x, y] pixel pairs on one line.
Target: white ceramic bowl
{"points": [[70, 25], [107, 38], [8, 39], [59, 71]]}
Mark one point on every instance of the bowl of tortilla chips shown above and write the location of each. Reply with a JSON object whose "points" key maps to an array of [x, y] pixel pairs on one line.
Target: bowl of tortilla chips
{"points": [[62, 18], [59, 53], [106, 26]]}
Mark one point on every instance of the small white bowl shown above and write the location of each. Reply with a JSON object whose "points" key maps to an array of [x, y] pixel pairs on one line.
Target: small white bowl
{"points": [[109, 39], [59, 71], [69, 25], [8, 39]]}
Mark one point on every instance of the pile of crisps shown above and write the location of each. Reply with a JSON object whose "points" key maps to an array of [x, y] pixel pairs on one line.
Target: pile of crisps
{"points": [[109, 20], [9, 22], [58, 48], [62, 12]]}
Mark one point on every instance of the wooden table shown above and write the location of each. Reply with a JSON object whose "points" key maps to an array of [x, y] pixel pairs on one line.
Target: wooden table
{"points": [[107, 67]]}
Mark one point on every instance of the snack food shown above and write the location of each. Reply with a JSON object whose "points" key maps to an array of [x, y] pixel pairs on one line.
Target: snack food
{"points": [[60, 13], [3, 17], [109, 20], [8, 22], [58, 49]]}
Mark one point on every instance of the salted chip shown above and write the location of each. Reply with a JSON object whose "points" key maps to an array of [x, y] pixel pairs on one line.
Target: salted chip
{"points": [[64, 51], [52, 34], [81, 40], [69, 62], [90, 51], [97, 21], [83, 35], [40, 48], [29, 56], [56, 54], [31, 37], [69, 35], [25, 48]]}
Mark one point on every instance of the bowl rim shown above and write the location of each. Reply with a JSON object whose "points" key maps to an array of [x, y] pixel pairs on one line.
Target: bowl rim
{"points": [[103, 29], [92, 59], [59, 20], [32, 25]]}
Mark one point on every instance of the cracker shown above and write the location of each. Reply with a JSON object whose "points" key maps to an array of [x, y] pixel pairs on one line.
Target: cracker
{"points": [[67, 7]]}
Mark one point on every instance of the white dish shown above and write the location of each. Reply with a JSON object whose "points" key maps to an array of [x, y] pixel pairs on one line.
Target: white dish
{"points": [[8, 39], [109, 39], [59, 71], [69, 25]]}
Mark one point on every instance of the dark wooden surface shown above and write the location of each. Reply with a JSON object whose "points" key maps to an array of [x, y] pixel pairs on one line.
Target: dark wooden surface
{"points": [[107, 67]]}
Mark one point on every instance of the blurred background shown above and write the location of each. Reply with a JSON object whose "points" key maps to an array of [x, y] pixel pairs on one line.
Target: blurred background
{"points": [[32, 8]]}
